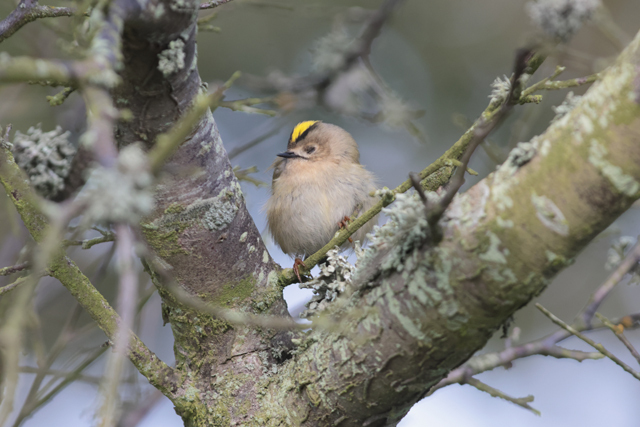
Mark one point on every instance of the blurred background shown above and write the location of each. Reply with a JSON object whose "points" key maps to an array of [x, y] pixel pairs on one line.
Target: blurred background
{"points": [[434, 63]]}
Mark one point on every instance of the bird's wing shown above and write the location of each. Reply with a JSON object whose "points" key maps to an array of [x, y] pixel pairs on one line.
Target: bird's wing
{"points": [[277, 166]]}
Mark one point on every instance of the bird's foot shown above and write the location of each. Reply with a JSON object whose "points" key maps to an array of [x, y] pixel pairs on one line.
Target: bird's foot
{"points": [[343, 224], [296, 268]]}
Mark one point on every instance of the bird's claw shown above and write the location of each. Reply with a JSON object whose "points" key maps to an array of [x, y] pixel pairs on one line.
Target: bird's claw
{"points": [[344, 222], [296, 267]]}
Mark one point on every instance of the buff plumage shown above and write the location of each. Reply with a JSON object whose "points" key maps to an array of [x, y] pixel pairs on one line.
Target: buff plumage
{"points": [[316, 183]]}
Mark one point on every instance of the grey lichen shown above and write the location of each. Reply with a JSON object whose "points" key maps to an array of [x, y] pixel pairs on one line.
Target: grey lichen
{"points": [[550, 215], [171, 60], [493, 253], [501, 87], [330, 51], [335, 275], [395, 111], [120, 194], [214, 213], [220, 213], [567, 105], [561, 19], [623, 182], [618, 251], [505, 176], [350, 92], [522, 154], [46, 158], [406, 229]]}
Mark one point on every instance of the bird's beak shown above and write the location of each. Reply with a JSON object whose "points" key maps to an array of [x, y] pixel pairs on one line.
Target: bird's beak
{"points": [[288, 155]]}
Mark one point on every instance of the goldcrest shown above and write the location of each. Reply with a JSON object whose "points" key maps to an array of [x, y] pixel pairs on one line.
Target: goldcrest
{"points": [[317, 182]]}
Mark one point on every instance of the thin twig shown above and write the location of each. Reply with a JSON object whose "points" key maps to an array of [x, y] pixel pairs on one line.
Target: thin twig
{"points": [[417, 185], [549, 83], [520, 401], [262, 136], [136, 414], [233, 317], [31, 402], [61, 96], [616, 276], [588, 340], [28, 11], [68, 379], [543, 347], [5, 271], [12, 343], [127, 301], [89, 243], [618, 331], [541, 84]]}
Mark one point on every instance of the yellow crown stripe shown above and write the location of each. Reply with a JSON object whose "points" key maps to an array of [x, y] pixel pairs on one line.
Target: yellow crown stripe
{"points": [[300, 129]]}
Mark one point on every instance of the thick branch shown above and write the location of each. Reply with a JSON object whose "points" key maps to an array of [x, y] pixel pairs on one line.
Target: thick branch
{"points": [[430, 308]]}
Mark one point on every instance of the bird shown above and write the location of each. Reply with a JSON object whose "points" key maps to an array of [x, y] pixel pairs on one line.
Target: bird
{"points": [[318, 185]]}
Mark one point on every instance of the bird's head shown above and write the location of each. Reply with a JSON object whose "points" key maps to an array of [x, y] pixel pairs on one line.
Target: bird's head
{"points": [[315, 141]]}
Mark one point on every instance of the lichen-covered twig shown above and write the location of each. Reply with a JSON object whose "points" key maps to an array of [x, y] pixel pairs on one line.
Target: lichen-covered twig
{"points": [[540, 85], [89, 243], [549, 83], [5, 271], [11, 286], [55, 73], [61, 96]]}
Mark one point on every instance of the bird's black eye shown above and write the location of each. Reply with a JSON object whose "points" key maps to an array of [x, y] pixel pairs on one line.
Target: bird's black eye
{"points": [[310, 149]]}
